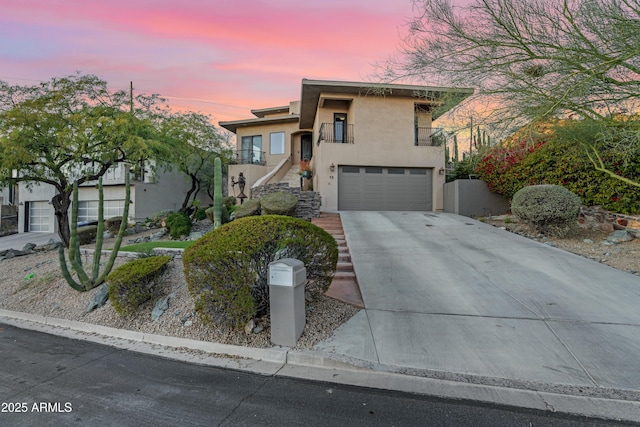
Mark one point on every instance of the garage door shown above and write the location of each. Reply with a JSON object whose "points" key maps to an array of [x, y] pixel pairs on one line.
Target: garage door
{"points": [[39, 214], [384, 189]]}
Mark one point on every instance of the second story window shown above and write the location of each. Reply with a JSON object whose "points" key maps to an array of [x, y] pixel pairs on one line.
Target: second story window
{"points": [[276, 143], [251, 150]]}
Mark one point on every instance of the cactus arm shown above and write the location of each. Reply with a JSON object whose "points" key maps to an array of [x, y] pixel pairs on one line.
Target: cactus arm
{"points": [[217, 193], [123, 227], [98, 250], [65, 271]]}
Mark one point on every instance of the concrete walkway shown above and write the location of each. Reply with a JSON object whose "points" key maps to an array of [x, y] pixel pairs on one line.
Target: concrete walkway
{"points": [[452, 298]]}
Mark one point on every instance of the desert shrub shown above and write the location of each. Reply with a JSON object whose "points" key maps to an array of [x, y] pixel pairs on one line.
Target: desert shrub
{"points": [[199, 214], [227, 269], [548, 209], [178, 224], [229, 201], [113, 224], [87, 234], [279, 203], [133, 283], [249, 208], [158, 217]]}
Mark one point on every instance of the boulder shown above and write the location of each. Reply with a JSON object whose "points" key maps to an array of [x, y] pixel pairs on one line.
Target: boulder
{"points": [[161, 306], [28, 248], [158, 235], [99, 298], [619, 236]]}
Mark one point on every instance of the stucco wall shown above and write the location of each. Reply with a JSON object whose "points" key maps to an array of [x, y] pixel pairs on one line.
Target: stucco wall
{"points": [[472, 197]]}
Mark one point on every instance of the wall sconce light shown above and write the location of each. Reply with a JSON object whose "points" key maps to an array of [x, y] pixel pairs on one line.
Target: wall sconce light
{"points": [[441, 171], [332, 168]]}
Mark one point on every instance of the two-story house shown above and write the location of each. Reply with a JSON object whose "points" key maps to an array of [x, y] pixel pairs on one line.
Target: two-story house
{"points": [[371, 146], [152, 191]]}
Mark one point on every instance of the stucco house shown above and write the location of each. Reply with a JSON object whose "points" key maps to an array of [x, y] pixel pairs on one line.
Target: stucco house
{"points": [[151, 191], [371, 146]]}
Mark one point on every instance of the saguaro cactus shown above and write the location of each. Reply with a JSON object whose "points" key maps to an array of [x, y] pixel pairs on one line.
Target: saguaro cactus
{"points": [[217, 192], [86, 282]]}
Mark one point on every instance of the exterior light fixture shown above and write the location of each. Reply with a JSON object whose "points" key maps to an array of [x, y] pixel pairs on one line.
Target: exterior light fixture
{"points": [[441, 171], [332, 168]]}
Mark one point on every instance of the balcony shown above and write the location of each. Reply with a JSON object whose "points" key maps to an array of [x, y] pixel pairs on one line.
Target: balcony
{"points": [[336, 134], [429, 137], [250, 157]]}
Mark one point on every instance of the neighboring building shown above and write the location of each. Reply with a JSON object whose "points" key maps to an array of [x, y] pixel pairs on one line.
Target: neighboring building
{"points": [[371, 146], [151, 192]]}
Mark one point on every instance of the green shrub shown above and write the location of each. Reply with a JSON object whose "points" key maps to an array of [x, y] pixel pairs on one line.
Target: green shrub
{"points": [[133, 283], [250, 207], [226, 270], [87, 234], [178, 224], [548, 209], [200, 214], [113, 224], [158, 217], [279, 203], [229, 201]]}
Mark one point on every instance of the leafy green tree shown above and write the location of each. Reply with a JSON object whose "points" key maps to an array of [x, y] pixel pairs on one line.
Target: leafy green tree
{"points": [[535, 59], [198, 143], [71, 129]]}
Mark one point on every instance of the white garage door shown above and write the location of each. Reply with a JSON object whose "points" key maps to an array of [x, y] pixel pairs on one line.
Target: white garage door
{"points": [[385, 189], [39, 214]]}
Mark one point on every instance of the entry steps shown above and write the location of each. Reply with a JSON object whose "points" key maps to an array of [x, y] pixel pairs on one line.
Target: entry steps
{"points": [[344, 286]]}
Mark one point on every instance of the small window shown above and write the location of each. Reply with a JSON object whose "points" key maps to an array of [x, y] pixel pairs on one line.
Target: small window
{"points": [[351, 169], [372, 170], [396, 171], [276, 143], [418, 172]]}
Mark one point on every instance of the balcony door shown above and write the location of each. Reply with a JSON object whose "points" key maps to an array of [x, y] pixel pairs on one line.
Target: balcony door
{"points": [[340, 127]]}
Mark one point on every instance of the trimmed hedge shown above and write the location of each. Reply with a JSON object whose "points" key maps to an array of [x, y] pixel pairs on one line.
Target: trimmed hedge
{"points": [[279, 203], [250, 207], [549, 209], [227, 269], [87, 234], [133, 283]]}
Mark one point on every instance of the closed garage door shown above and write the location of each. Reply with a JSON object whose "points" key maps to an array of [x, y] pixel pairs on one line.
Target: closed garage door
{"points": [[384, 189], [39, 214]]}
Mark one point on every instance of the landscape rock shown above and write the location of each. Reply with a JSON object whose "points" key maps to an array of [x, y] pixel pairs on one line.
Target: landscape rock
{"points": [[195, 235], [158, 235], [619, 236], [49, 246], [258, 329], [250, 326], [99, 299], [161, 306], [107, 235], [28, 248]]}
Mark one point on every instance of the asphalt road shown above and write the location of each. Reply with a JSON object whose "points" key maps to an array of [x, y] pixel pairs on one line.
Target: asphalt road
{"points": [[47, 380]]}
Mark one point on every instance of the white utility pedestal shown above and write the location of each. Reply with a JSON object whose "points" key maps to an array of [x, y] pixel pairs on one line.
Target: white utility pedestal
{"points": [[286, 297]]}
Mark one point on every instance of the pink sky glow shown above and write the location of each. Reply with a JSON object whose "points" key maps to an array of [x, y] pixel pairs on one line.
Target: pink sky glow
{"points": [[218, 57]]}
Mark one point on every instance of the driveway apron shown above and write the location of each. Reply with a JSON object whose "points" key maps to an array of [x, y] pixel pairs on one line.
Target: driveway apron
{"points": [[460, 299]]}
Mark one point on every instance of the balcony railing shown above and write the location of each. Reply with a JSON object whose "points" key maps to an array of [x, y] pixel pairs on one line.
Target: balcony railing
{"points": [[429, 137], [336, 134], [250, 157]]}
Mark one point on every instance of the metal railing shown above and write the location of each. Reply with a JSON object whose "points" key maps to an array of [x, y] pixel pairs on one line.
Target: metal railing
{"points": [[336, 134], [250, 157], [429, 137]]}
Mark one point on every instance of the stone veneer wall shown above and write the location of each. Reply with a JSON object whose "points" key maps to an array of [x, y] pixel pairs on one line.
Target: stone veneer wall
{"points": [[308, 201], [598, 218]]}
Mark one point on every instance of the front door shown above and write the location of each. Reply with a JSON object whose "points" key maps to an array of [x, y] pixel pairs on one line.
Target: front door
{"points": [[306, 147]]}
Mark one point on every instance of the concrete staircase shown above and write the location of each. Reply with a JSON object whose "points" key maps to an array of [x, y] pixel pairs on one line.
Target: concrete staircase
{"points": [[292, 177], [344, 286]]}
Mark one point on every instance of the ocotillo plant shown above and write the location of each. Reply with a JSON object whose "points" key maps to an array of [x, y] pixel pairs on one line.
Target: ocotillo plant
{"points": [[86, 282], [217, 192]]}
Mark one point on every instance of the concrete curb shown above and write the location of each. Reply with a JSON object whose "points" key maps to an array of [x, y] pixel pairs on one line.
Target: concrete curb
{"points": [[314, 365]]}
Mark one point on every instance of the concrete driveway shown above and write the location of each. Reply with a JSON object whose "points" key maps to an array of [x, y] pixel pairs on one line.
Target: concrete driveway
{"points": [[17, 241], [453, 298]]}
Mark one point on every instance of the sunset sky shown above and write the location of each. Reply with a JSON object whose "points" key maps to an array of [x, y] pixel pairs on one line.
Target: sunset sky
{"points": [[217, 57]]}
